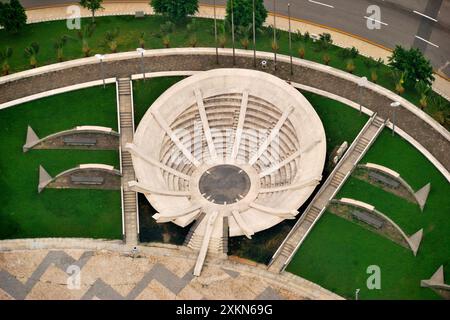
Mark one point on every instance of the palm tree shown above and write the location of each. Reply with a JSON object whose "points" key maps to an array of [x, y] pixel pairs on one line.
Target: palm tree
{"points": [[4, 57], [326, 59], [142, 40], [166, 41], [84, 34], [350, 66], [244, 33], [31, 53], [424, 89], [301, 52], [59, 47], [111, 39], [399, 80], [193, 40]]}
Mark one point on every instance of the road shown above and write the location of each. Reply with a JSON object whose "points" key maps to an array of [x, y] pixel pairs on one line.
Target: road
{"points": [[424, 24]]}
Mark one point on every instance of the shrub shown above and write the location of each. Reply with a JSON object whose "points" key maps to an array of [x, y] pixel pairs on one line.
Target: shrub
{"points": [[306, 36], [349, 53], [297, 36], [413, 64], [325, 41], [326, 59]]}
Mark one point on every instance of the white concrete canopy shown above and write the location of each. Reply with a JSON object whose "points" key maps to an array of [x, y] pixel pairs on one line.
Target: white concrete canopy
{"points": [[221, 118]]}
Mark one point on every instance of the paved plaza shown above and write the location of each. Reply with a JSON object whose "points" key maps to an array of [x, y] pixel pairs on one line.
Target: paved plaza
{"points": [[42, 274]]}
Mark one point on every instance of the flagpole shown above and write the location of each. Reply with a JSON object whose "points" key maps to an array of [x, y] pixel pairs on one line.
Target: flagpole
{"points": [[254, 36], [275, 34], [232, 33], [215, 33], [290, 37]]}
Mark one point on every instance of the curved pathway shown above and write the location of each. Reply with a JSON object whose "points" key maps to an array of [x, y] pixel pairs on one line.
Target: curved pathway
{"points": [[197, 59]]}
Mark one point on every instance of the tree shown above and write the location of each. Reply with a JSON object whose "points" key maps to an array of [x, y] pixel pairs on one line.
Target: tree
{"points": [[413, 64], [12, 16], [31, 53], [92, 5], [423, 89], [4, 57], [243, 13], [175, 10]]}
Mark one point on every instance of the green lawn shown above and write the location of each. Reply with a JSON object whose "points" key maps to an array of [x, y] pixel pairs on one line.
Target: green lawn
{"points": [[404, 213], [47, 33], [337, 252], [146, 92], [56, 213], [341, 123]]}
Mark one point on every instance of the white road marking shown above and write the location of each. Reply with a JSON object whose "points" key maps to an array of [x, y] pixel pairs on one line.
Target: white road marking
{"points": [[322, 4], [424, 15], [420, 38], [378, 21]]}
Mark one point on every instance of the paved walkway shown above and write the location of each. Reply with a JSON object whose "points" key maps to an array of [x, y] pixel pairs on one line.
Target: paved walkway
{"points": [[129, 197], [155, 273], [340, 38], [329, 189]]}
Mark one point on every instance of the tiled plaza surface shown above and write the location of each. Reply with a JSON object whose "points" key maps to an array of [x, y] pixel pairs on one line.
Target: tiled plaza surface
{"points": [[45, 274]]}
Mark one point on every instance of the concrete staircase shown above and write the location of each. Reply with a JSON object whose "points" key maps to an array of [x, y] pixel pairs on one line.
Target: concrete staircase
{"points": [[129, 198], [217, 245], [327, 192]]}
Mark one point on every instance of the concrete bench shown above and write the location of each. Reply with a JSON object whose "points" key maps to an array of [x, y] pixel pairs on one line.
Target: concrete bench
{"points": [[383, 179], [79, 141], [89, 180], [369, 219], [139, 14]]}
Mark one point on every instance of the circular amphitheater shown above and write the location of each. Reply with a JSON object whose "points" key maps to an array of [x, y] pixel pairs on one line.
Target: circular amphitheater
{"points": [[237, 151]]}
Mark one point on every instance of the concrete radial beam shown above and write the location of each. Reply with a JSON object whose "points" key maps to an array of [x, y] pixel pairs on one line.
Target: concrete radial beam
{"points": [[300, 185], [205, 243], [205, 123], [240, 126], [281, 213], [275, 131], [143, 188], [163, 124], [167, 217], [134, 150], [242, 224], [280, 164]]}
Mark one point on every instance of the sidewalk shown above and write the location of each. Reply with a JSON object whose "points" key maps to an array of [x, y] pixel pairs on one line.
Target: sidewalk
{"points": [[340, 38]]}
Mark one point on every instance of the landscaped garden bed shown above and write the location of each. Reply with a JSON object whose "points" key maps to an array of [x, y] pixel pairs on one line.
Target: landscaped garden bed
{"points": [[24, 212]]}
